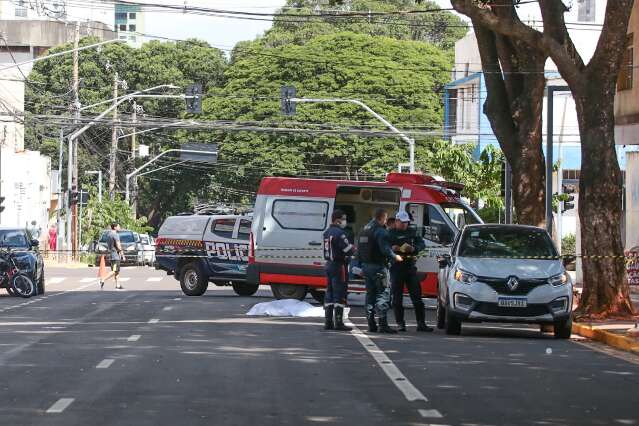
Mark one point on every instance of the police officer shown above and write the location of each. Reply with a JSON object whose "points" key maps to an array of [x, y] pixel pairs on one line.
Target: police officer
{"points": [[375, 254], [404, 242], [337, 250]]}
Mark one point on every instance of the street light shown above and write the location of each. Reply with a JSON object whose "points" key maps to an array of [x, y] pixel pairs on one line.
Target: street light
{"points": [[99, 173]]}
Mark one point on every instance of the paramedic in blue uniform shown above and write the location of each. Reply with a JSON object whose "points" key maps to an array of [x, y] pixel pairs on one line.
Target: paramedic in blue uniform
{"points": [[406, 243], [337, 252], [375, 254]]}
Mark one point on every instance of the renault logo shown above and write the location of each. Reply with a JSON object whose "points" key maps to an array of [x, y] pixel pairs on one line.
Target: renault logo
{"points": [[512, 283]]}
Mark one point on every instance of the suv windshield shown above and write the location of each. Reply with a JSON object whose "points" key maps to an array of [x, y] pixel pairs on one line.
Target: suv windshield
{"points": [[506, 241], [13, 238], [460, 215]]}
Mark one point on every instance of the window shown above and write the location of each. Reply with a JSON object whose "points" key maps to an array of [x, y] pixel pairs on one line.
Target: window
{"points": [[122, 27], [624, 81], [297, 214], [132, 39], [223, 228], [13, 238], [120, 16], [245, 229], [505, 241], [132, 15], [21, 10], [586, 10], [452, 111], [132, 28], [460, 215], [434, 227]]}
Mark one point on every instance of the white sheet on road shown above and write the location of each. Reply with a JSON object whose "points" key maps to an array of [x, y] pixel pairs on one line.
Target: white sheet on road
{"points": [[289, 308]]}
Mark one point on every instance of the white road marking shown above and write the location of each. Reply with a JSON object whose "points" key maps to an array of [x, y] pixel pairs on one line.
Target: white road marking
{"points": [[154, 321], [411, 393], [55, 280], [430, 414], [88, 280], [177, 298], [154, 279], [124, 279], [105, 363], [133, 338], [167, 308], [60, 405], [40, 299]]}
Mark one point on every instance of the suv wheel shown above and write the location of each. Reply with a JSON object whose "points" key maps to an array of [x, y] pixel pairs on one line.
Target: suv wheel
{"points": [[453, 325], [563, 329], [441, 315], [192, 280], [245, 289], [289, 291]]}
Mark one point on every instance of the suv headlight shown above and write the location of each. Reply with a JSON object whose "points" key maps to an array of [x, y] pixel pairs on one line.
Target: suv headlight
{"points": [[559, 280], [464, 277], [130, 248]]}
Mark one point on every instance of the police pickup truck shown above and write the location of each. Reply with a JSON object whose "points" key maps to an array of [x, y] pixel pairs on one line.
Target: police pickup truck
{"points": [[199, 249]]}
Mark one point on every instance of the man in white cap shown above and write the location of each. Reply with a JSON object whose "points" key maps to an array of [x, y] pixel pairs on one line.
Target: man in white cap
{"points": [[406, 243]]}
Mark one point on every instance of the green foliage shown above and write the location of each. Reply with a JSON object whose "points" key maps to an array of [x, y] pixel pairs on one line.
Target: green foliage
{"points": [[568, 244], [441, 29], [98, 216], [387, 74]]}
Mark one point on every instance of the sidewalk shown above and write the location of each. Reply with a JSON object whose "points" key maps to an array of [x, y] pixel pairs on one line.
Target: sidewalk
{"points": [[53, 263], [622, 335]]}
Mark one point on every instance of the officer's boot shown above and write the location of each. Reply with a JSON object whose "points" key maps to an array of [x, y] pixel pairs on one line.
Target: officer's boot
{"points": [[420, 316], [384, 327], [328, 317], [339, 319], [399, 317], [372, 325]]}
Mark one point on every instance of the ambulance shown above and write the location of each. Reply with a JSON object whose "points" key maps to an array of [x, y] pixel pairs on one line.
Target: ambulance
{"points": [[291, 214]]}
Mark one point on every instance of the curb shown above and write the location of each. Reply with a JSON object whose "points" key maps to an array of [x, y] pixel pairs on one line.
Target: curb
{"points": [[611, 339]]}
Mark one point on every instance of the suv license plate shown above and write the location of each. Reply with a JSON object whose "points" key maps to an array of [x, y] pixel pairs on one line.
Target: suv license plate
{"points": [[512, 303]]}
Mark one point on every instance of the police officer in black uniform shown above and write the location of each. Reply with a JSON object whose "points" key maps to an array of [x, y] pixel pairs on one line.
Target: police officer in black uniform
{"points": [[337, 251], [405, 242], [375, 254]]}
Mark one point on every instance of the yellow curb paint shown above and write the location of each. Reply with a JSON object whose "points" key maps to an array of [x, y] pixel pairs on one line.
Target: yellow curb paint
{"points": [[611, 339]]}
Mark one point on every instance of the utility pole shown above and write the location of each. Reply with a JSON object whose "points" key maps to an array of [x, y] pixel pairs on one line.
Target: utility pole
{"points": [[61, 204], [76, 106], [114, 140], [134, 201]]}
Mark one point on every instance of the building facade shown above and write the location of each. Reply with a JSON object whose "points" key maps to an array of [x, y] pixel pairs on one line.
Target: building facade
{"points": [[129, 23]]}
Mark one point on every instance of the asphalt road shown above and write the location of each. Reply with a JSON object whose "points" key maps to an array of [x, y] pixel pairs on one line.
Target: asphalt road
{"points": [[149, 355]]}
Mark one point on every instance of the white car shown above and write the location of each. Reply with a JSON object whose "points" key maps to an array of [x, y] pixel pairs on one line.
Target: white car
{"points": [[148, 247], [504, 273]]}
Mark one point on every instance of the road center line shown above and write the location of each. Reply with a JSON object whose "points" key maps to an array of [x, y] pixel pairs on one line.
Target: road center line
{"points": [[105, 363], [411, 393], [154, 321], [60, 405], [133, 338]]}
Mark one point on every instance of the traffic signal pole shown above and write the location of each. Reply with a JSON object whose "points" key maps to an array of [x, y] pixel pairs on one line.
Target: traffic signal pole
{"points": [[549, 151]]}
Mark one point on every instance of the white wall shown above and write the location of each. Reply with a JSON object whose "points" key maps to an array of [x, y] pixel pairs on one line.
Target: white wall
{"points": [[11, 109], [26, 186]]}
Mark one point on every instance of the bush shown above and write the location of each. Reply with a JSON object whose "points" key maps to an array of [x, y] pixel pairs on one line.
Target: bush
{"points": [[568, 244]]}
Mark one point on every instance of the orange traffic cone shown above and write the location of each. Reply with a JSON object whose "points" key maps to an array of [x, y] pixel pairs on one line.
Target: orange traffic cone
{"points": [[102, 271]]}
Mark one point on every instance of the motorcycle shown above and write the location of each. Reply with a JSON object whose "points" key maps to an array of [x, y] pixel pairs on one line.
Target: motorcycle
{"points": [[16, 282]]}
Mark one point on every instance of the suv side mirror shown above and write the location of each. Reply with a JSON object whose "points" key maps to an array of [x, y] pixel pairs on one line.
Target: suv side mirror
{"points": [[444, 261], [35, 243]]}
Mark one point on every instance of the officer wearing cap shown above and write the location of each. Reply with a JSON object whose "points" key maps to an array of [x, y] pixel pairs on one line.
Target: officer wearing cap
{"points": [[337, 251], [406, 243], [375, 254]]}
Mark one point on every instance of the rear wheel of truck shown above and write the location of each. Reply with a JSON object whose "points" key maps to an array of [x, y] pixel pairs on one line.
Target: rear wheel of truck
{"points": [[245, 289], [317, 295], [289, 291], [192, 280]]}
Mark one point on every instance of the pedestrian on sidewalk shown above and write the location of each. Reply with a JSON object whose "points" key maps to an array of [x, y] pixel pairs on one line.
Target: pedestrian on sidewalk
{"points": [[53, 239], [337, 252], [115, 253]]}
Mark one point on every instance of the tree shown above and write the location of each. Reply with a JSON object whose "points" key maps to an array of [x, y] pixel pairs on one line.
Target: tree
{"points": [[606, 291], [402, 80]]}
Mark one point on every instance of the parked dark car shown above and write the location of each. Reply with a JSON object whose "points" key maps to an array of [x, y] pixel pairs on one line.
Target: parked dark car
{"points": [[131, 245], [26, 253]]}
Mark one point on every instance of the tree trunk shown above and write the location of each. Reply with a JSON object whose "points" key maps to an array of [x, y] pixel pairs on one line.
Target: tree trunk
{"points": [[606, 292], [529, 177]]}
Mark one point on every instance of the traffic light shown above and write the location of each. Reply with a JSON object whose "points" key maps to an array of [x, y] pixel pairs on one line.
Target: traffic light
{"points": [[2, 204], [287, 106], [568, 202], [73, 196], [194, 98]]}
